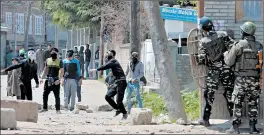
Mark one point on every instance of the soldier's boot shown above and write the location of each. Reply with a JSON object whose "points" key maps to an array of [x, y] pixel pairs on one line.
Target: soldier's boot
{"points": [[233, 130], [253, 129], [204, 123]]}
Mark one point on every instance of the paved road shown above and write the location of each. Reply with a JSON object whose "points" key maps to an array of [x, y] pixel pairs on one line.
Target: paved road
{"points": [[93, 92]]}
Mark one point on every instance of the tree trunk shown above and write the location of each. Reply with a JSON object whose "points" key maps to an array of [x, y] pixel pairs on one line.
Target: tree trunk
{"points": [[27, 25], [101, 47], [134, 27], [169, 83]]}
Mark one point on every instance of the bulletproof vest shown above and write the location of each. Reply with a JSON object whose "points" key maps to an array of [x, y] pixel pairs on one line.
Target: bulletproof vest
{"points": [[248, 61], [53, 67], [214, 45]]}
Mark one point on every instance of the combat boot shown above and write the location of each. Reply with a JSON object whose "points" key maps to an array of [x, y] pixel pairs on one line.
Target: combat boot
{"points": [[204, 123], [253, 129], [233, 130]]}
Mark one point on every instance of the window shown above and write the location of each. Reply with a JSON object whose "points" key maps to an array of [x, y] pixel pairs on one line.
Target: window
{"points": [[38, 25], [20, 23], [30, 26], [9, 18], [249, 10]]}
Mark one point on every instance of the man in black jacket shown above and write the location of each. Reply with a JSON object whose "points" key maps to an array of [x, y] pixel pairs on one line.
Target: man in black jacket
{"points": [[28, 72], [120, 81], [87, 59]]}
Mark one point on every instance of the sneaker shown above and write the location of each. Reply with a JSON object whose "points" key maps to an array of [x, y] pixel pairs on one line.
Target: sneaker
{"points": [[204, 123], [71, 109], [43, 110], [58, 112], [117, 113], [124, 116]]}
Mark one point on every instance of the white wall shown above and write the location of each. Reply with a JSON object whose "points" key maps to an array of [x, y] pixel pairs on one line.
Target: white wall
{"points": [[173, 26]]}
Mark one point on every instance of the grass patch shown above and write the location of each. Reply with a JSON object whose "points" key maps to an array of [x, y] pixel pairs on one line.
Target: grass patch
{"points": [[154, 102], [191, 104], [157, 103]]}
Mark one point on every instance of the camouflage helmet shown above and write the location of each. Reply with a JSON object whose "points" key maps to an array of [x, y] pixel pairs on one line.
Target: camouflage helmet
{"points": [[206, 21], [248, 27]]}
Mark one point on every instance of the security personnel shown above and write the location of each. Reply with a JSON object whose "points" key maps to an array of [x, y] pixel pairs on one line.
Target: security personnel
{"points": [[212, 46], [244, 56], [52, 68]]}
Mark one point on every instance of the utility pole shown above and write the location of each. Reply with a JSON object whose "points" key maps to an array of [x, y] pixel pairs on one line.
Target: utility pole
{"points": [[27, 25], [134, 27], [56, 37], [101, 46]]}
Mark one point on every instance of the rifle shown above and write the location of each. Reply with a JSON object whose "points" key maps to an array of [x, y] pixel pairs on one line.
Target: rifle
{"points": [[259, 66]]}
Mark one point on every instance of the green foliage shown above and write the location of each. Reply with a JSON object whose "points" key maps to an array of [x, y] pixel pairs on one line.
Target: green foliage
{"points": [[191, 104], [154, 102], [181, 2], [157, 103]]}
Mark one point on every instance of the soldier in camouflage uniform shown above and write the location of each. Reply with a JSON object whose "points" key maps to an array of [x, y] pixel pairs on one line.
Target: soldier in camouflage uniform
{"points": [[212, 46], [244, 55]]}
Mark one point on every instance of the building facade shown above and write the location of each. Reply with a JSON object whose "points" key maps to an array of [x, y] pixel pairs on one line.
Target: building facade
{"points": [[13, 15], [235, 13]]}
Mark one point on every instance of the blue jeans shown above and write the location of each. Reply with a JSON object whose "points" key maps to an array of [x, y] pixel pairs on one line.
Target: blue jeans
{"points": [[131, 87], [96, 66], [86, 68], [70, 90]]}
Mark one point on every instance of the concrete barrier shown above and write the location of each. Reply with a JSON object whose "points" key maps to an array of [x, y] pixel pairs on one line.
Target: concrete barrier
{"points": [[8, 118], [25, 110], [141, 116]]}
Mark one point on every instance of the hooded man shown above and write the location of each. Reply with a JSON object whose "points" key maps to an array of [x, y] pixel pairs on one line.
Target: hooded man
{"points": [[28, 72]]}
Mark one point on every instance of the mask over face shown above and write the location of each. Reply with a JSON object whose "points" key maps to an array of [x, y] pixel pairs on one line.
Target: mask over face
{"points": [[32, 55], [53, 55], [109, 55], [134, 59]]}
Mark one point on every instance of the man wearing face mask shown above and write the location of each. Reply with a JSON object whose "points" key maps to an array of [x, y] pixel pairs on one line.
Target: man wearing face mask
{"points": [[51, 71], [28, 72], [135, 71], [120, 81], [72, 77]]}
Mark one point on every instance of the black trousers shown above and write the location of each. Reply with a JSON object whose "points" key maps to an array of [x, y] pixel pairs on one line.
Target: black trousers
{"points": [[56, 92], [26, 90], [120, 91]]}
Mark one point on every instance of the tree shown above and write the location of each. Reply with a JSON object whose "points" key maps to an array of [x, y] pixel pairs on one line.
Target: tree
{"points": [[169, 83], [27, 24], [134, 27]]}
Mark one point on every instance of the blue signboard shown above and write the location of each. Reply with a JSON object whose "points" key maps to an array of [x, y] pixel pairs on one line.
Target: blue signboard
{"points": [[186, 15]]}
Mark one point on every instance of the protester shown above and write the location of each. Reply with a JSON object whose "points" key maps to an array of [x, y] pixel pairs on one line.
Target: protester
{"points": [[81, 59], [96, 60], [78, 86], [87, 59], [121, 83], [28, 72], [13, 80], [9, 57], [47, 53], [110, 83], [135, 71], [71, 75], [51, 71], [76, 50]]}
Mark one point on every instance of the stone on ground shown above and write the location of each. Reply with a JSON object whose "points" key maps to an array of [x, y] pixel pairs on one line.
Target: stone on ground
{"points": [[141, 116], [8, 118], [25, 110], [81, 106], [104, 108], [77, 111], [89, 110]]}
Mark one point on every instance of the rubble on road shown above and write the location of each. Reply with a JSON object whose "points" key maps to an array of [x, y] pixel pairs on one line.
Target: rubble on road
{"points": [[25, 110], [141, 116], [104, 108], [81, 106], [8, 118]]}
